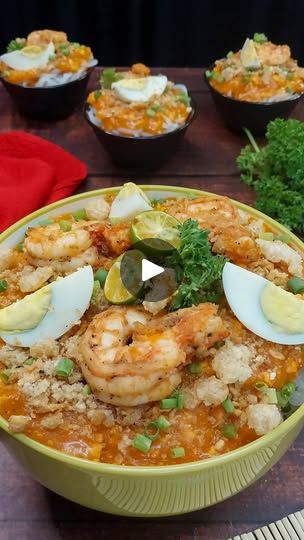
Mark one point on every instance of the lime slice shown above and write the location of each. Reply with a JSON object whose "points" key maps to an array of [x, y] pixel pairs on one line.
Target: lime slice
{"points": [[155, 225], [130, 201], [114, 289]]}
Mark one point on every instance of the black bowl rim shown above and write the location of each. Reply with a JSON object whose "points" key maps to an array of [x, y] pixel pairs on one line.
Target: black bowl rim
{"points": [[86, 73], [296, 97], [189, 120]]}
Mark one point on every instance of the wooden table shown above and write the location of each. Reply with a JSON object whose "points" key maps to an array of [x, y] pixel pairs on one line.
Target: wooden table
{"points": [[206, 160]]}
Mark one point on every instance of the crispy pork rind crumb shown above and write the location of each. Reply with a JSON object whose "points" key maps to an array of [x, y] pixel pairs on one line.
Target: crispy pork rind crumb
{"points": [[212, 391], [12, 356], [45, 348], [18, 423], [263, 417], [155, 307], [277, 251], [52, 421], [33, 280], [7, 258], [231, 363], [98, 209]]}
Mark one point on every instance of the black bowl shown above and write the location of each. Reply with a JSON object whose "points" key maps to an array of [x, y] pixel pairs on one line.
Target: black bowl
{"points": [[141, 153], [52, 103], [255, 116]]}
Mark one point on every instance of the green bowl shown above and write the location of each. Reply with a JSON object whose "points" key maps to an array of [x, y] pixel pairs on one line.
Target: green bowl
{"points": [[147, 491]]}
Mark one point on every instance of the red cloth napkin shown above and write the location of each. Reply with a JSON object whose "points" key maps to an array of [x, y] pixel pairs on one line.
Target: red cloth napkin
{"points": [[33, 172]]}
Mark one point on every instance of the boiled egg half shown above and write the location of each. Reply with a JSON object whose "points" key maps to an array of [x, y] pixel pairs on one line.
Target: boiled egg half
{"points": [[141, 89], [264, 308], [30, 57], [49, 312]]}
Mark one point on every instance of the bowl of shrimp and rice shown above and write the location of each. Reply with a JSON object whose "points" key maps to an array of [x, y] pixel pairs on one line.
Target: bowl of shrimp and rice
{"points": [[145, 490]]}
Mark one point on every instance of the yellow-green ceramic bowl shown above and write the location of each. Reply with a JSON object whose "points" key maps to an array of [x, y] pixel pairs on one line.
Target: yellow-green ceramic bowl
{"points": [[147, 491]]}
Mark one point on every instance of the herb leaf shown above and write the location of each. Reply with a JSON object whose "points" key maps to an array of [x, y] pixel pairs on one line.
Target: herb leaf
{"points": [[109, 76]]}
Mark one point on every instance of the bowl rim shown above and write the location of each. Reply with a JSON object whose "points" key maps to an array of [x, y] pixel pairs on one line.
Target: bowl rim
{"points": [[156, 470], [85, 74], [192, 114], [292, 99]]}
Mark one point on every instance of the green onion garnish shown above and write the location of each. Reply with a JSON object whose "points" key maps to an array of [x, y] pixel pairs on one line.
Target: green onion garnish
{"points": [[80, 214], [229, 431], [76, 44], [183, 98], [283, 237], [16, 44], [266, 236], [285, 394], [95, 292], [29, 361], [162, 423], [230, 54], [97, 94], [152, 426], [101, 275], [195, 368], [228, 406], [20, 247], [86, 390], [296, 285], [168, 403], [259, 37], [3, 285], [109, 76], [270, 393], [65, 225], [217, 77], [178, 452], [45, 222], [150, 112], [208, 73], [64, 367], [5, 375], [180, 401], [142, 443]]}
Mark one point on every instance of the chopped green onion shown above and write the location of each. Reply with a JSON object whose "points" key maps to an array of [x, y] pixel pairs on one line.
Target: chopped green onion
{"points": [[217, 77], [64, 367], [168, 403], [65, 52], [29, 361], [261, 386], [266, 236], [218, 344], [152, 426], [195, 368], [180, 401], [296, 285], [229, 431], [150, 112], [228, 406], [285, 394], [183, 98], [52, 57], [16, 44], [95, 292], [259, 37], [230, 54], [76, 44], [80, 214], [142, 443], [109, 76], [283, 238], [86, 390], [272, 397], [97, 94], [247, 78], [5, 375], [208, 73], [3, 285], [101, 275], [162, 423], [45, 222], [178, 452], [65, 225], [20, 247]]}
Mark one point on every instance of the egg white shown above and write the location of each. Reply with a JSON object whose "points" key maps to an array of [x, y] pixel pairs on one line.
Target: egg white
{"points": [[140, 89], [243, 291], [70, 299], [20, 60]]}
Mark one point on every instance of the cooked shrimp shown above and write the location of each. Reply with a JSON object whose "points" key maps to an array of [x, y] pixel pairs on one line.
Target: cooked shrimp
{"points": [[63, 251], [221, 218], [43, 37], [271, 54], [129, 359]]}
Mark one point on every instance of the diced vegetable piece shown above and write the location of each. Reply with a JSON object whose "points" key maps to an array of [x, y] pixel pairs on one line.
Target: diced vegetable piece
{"points": [[178, 452], [5, 375], [228, 406], [65, 225], [296, 285], [162, 423], [3, 285], [168, 403], [142, 443], [229, 431], [64, 367], [152, 430], [266, 236], [29, 361], [101, 275], [80, 214], [195, 368]]}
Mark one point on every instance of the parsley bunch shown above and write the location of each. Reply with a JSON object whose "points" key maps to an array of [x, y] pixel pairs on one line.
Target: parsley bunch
{"points": [[201, 271], [276, 172]]}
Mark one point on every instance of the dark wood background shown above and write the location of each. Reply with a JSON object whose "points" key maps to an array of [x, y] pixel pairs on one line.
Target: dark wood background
{"points": [[206, 160]]}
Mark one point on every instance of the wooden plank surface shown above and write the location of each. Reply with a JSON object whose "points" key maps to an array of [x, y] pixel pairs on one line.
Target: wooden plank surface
{"points": [[206, 160]]}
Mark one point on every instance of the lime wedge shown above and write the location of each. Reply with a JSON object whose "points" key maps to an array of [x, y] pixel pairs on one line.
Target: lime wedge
{"points": [[114, 288], [155, 225], [130, 201]]}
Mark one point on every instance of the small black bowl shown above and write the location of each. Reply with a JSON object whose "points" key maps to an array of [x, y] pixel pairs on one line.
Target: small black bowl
{"points": [[141, 153], [48, 103], [254, 116]]}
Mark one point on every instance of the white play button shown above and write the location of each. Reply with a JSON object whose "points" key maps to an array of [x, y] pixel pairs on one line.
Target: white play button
{"points": [[150, 270]]}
